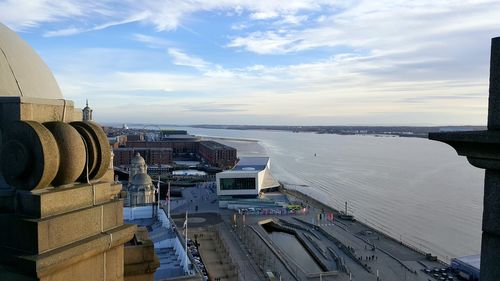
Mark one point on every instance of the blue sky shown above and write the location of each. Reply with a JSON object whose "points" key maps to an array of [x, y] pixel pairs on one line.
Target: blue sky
{"points": [[267, 62]]}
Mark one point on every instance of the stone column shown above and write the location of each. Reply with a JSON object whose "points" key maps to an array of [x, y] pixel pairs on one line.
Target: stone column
{"points": [[60, 218], [482, 149]]}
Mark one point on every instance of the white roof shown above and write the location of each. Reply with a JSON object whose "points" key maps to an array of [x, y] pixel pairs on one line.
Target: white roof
{"points": [[251, 164], [474, 260], [22, 71]]}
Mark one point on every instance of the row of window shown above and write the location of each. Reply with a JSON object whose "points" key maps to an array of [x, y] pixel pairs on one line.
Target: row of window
{"points": [[237, 183]]}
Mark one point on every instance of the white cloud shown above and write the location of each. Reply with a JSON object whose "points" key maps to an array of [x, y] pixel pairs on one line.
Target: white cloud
{"points": [[74, 30], [21, 15], [151, 41], [264, 15], [163, 15], [377, 59], [181, 58]]}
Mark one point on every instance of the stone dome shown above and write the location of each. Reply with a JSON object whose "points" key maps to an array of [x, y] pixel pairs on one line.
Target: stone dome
{"points": [[142, 179], [137, 160], [22, 72]]}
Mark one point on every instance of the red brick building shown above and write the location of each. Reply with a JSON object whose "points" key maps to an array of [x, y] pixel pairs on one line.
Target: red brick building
{"points": [[217, 154], [152, 155]]}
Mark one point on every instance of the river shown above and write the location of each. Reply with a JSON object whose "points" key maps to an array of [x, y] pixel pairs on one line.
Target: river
{"points": [[413, 189]]}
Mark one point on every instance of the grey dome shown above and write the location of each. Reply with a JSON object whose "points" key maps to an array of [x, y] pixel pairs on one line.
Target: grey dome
{"points": [[22, 72], [137, 159], [142, 179]]}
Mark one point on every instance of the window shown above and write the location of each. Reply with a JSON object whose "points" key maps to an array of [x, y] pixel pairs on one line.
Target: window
{"points": [[237, 183]]}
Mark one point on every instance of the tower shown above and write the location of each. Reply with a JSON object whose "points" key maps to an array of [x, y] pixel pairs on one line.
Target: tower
{"points": [[87, 112]]}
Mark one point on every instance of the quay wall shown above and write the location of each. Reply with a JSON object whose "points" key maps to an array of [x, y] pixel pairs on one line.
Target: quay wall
{"points": [[318, 204]]}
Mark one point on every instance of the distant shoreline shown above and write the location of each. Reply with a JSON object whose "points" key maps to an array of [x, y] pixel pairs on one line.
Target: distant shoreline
{"points": [[392, 131], [229, 138]]}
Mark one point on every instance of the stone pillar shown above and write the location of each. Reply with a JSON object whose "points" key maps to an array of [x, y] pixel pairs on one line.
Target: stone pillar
{"points": [[60, 218], [482, 149], [490, 246]]}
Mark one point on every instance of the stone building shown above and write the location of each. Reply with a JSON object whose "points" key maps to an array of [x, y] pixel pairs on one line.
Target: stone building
{"points": [[87, 112], [60, 214], [140, 189]]}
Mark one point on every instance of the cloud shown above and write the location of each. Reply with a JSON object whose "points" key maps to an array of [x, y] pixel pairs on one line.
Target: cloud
{"points": [[216, 107], [22, 15], [317, 61], [269, 42], [181, 58], [152, 41], [74, 30], [163, 15]]}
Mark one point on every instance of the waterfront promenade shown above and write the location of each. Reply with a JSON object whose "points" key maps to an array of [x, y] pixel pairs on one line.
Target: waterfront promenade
{"points": [[253, 252]]}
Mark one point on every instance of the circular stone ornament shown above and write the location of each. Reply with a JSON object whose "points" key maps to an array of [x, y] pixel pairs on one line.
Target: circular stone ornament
{"points": [[98, 153], [71, 151], [29, 158]]}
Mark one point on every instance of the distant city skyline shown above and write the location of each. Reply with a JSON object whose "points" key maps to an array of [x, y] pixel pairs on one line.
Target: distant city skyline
{"points": [[295, 62]]}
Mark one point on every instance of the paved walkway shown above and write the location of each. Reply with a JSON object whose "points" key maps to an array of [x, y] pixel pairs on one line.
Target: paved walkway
{"points": [[249, 271], [214, 256]]}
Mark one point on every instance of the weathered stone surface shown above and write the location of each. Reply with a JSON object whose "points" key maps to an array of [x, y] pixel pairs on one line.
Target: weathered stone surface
{"points": [[29, 158], [36, 109], [53, 201], [71, 152], [494, 97], [97, 146], [114, 264], [490, 257], [491, 203], [37, 236], [51, 262], [140, 259]]}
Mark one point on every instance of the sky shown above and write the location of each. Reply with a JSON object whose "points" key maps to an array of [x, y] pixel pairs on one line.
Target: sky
{"points": [[276, 62]]}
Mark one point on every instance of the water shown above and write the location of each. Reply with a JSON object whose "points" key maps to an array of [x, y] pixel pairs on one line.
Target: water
{"points": [[189, 172], [295, 250], [414, 189]]}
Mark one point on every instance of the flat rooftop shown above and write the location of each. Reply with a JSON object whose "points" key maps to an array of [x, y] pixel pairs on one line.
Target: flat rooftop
{"points": [[215, 145], [474, 260], [251, 163]]}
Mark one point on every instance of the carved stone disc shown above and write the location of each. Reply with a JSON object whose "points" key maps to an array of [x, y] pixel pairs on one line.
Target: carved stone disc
{"points": [[30, 157], [71, 152], [100, 145]]}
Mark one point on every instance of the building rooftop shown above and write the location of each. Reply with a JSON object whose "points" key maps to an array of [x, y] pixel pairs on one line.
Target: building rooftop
{"points": [[215, 145], [178, 136], [474, 260], [251, 164]]}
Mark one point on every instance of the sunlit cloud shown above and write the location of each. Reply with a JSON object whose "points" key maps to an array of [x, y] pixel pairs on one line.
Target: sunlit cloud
{"points": [[295, 61]]}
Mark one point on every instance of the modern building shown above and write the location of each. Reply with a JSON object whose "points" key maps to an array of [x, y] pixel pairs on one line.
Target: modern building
{"points": [[467, 267], [248, 178], [217, 154]]}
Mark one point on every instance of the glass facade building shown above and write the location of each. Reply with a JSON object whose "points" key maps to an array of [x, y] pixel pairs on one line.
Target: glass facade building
{"points": [[237, 183]]}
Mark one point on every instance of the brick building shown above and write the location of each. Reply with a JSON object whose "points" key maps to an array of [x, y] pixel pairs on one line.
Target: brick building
{"points": [[217, 154], [178, 146], [152, 155]]}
